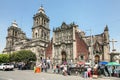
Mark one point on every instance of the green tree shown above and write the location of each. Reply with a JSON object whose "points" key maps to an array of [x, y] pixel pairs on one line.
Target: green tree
{"points": [[13, 57], [23, 56], [4, 58]]}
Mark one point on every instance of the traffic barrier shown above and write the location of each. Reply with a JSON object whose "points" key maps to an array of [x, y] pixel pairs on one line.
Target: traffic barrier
{"points": [[37, 70]]}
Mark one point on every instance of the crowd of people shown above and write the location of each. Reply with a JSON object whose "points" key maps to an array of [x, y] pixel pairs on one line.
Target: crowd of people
{"points": [[83, 70]]}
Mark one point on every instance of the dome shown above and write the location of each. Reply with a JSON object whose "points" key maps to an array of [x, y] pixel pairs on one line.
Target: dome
{"points": [[14, 24], [41, 10]]}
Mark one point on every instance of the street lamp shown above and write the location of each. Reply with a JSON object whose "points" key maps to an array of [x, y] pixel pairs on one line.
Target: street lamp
{"points": [[91, 49]]}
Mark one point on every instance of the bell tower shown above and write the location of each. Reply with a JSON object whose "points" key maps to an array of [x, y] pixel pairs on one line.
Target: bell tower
{"points": [[106, 46], [15, 34], [40, 29], [12, 35], [40, 33]]}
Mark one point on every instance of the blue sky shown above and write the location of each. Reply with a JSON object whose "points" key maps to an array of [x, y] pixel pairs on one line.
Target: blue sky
{"points": [[88, 14]]}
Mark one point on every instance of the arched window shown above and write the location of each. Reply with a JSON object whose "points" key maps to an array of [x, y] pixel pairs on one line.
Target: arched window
{"points": [[36, 35], [45, 36], [44, 22], [81, 57], [37, 21], [42, 34], [15, 33]]}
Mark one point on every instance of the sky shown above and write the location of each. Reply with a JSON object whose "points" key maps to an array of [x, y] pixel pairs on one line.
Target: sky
{"points": [[88, 14]]}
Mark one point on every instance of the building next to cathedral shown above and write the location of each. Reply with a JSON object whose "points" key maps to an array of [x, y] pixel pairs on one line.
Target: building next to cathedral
{"points": [[68, 42]]}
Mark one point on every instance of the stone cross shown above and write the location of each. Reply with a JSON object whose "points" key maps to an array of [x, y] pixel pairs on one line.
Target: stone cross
{"points": [[113, 41]]}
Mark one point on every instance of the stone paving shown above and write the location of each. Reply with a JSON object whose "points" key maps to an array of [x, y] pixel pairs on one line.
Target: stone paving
{"points": [[30, 75], [79, 77]]}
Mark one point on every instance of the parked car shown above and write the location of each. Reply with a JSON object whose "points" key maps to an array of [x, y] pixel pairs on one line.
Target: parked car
{"points": [[6, 66]]}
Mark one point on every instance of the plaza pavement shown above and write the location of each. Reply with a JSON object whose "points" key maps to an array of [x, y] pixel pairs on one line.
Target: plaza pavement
{"points": [[30, 75], [79, 77]]}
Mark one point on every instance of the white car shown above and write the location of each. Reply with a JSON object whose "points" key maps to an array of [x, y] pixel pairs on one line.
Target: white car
{"points": [[6, 66]]}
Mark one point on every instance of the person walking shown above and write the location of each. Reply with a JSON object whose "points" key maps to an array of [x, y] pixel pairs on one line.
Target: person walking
{"points": [[85, 73]]}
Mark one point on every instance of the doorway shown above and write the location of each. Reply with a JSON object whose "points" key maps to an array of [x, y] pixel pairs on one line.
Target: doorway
{"points": [[64, 56], [97, 59]]}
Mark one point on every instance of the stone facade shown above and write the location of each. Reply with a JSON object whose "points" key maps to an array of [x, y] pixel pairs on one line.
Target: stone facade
{"points": [[16, 40], [71, 44], [65, 43], [68, 44]]}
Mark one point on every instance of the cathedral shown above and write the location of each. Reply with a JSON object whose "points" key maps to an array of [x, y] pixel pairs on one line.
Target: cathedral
{"points": [[68, 42]]}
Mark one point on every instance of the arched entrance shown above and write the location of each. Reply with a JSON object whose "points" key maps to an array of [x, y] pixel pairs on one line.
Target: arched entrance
{"points": [[97, 59], [64, 56]]}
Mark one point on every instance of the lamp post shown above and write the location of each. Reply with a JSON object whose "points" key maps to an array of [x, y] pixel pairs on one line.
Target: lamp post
{"points": [[91, 49]]}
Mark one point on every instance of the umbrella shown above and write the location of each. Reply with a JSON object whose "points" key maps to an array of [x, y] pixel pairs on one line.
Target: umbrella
{"points": [[103, 62], [113, 64]]}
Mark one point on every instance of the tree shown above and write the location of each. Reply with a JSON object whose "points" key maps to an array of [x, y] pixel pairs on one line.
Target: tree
{"points": [[13, 57], [23, 56], [4, 58]]}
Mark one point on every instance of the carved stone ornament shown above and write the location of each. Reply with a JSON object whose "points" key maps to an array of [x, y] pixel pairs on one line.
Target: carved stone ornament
{"points": [[63, 46]]}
